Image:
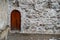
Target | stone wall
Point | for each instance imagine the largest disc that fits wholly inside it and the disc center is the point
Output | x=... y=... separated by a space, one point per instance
x=3 y=11
x=39 y=16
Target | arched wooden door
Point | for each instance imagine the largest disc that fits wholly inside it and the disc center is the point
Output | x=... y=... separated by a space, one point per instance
x=15 y=20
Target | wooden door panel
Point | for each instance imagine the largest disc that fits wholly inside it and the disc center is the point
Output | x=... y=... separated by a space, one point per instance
x=15 y=20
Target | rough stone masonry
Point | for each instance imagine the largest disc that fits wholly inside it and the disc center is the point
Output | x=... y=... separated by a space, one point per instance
x=39 y=16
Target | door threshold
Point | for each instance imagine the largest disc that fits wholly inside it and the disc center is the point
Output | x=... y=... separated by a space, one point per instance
x=14 y=31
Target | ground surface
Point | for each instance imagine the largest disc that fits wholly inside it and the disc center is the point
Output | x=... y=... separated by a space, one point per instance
x=18 y=36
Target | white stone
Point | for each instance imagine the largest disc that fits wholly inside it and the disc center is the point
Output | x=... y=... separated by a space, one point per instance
x=40 y=28
x=30 y=1
x=39 y=6
x=49 y=31
x=23 y=6
x=2 y=25
x=51 y=13
x=39 y=1
x=58 y=25
x=49 y=26
x=53 y=0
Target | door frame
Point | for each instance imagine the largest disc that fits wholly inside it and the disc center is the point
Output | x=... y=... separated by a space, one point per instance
x=11 y=18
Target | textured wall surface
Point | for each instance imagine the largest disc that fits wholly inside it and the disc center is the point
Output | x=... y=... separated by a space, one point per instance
x=3 y=12
x=38 y=16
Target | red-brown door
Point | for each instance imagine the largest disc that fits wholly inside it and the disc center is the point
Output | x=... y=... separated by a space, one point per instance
x=15 y=20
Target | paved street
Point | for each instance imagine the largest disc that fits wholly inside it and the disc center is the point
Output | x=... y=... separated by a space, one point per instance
x=18 y=36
